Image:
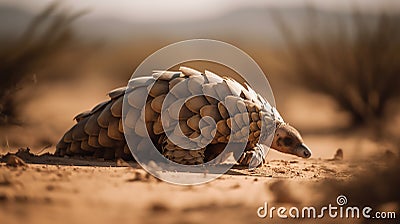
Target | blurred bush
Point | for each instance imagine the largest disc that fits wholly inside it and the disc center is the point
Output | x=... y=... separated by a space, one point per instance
x=354 y=60
x=47 y=34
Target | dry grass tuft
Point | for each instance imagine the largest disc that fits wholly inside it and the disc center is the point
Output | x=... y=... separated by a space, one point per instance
x=47 y=34
x=356 y=63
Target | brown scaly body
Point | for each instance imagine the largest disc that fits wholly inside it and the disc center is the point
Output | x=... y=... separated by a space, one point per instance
x=100 y=132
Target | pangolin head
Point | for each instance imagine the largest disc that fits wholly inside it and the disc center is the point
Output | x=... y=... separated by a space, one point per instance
x=288 y=140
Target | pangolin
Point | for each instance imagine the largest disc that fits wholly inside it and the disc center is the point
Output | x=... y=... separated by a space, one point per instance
x=238 y=112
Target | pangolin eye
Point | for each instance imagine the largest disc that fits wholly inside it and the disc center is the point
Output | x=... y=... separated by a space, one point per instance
x=287 y=141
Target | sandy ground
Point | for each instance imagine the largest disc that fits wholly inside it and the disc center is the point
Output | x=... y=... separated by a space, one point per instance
x=73 y=190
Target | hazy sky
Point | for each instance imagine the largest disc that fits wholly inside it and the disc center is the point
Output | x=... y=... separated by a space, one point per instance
x=177 y=10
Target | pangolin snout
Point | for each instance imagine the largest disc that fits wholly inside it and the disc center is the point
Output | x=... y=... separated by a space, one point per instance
x=303 y=151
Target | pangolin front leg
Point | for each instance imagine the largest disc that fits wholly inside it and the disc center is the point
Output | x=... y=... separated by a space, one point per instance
x=253 y=157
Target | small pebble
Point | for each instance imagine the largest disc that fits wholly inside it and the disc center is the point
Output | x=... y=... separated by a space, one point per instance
x=338 y=155
x=15 y=161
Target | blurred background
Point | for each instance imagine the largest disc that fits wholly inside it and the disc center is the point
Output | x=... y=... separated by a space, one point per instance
x=333 y=65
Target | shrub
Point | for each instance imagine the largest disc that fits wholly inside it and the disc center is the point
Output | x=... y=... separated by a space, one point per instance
x=355 y=62
x=47 y=34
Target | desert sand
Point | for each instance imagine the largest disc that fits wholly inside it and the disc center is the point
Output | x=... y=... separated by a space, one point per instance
x=48 y=189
